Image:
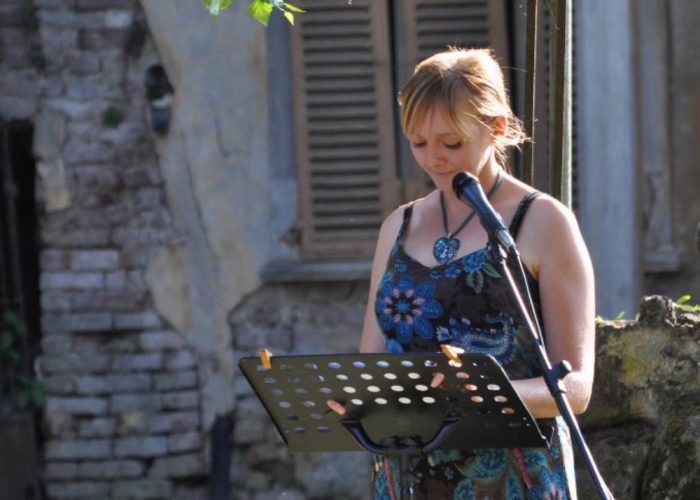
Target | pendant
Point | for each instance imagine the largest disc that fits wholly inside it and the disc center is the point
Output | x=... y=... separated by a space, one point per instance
x=445 y=249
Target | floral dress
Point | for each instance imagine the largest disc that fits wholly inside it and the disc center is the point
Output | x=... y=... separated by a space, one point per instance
x=467 y=303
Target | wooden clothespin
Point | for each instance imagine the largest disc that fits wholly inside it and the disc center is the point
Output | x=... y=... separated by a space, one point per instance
x=452 y=353
x=265 y=358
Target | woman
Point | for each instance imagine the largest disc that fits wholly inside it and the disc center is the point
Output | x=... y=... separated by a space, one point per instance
x=433 y=281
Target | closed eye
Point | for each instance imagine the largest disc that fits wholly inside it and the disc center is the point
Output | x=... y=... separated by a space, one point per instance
x=456 y=145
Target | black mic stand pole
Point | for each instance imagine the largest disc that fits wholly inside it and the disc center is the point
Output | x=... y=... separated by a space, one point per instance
x=553 y=376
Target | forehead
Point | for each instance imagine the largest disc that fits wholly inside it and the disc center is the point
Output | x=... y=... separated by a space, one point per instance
x=436 y=120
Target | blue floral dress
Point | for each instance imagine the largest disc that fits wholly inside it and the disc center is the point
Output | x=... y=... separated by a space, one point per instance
x=466 y=303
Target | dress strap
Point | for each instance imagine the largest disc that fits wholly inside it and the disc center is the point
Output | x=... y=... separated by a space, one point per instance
x=520 y=212
x=406 y=218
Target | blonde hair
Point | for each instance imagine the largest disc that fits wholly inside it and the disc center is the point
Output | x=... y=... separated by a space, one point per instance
x=469 y=82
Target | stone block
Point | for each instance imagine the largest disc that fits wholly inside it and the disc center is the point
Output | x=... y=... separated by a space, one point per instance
x=95 y=177
x=59 y=425
x=60 y=470
x=73 y=363
x=55 y=301
x=122 y=403
x=76 y=406
x=136 y=321
x=180 y=400
x=115 y=279
x=161 y=341
x=188 y=441
x=61 y=385
x=179 y=360
x=180 y=466
x=82 y=62
x=71 y=280
x=78 y=449
x=49 y=135
x=56 y=344
x=144 y=488
x=141 y=446
x=137 y=362
x=113 y=384
x=172 y=422
x=129 y=383
x=110 y=469
x=54 y=260
x=76 y=490
x=119 y=19
x=75 y=237
x=134 y=422
x=176 y=380
x=248 y=432
x=96 y=427
x=94 y=260
x=76 y=322
x=249 y=409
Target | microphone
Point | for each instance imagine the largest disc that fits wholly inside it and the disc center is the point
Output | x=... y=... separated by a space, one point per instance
x=468 y=189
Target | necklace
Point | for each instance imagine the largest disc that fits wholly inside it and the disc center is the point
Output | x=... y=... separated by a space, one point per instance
x=446 y=247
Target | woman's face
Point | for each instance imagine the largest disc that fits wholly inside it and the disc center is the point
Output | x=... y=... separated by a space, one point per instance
x=441 y=153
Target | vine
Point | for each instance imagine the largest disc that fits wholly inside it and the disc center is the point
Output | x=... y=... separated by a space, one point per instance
x=260 y=10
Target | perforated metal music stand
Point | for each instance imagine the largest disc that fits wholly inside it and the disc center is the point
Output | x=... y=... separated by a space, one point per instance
x=391 y=407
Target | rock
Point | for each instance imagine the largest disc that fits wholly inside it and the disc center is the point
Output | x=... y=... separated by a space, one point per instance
x=616 y=451
x=674 y=460
x=656 y=310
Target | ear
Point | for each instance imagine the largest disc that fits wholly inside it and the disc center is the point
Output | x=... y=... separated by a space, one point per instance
x=499 y=126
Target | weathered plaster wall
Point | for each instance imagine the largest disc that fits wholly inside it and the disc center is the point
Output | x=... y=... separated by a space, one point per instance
x=683 y=108
x=214 y=162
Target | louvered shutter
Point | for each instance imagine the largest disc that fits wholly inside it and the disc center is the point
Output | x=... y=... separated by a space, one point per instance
x=344 y=126
x=430 y=26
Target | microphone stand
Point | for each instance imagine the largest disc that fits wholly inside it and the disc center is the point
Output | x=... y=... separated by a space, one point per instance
x=553 y=375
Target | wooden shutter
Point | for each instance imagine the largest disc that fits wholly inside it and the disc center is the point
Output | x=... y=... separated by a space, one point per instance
x=430 y=26
x=344 y=126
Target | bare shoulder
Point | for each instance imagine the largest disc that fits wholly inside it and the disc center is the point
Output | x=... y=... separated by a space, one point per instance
x=550 y=233
x=549 y=215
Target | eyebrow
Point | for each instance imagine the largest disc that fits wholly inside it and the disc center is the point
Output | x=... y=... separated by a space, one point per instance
x=439 y=135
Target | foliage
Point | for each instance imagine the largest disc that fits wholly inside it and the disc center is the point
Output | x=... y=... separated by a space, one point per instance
x=260 y=10
x=30 y=391
x=683 y=305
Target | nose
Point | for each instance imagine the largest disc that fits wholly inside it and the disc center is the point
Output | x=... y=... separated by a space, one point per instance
x=433 y=157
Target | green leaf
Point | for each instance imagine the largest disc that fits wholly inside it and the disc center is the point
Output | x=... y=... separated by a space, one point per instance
x=620 y=315
x=289 y=17
x=683 y=300
x=292 y=8
x=216 y=6
x=261 y=10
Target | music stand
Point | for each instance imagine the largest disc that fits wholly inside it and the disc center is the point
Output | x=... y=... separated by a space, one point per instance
x=391 y=408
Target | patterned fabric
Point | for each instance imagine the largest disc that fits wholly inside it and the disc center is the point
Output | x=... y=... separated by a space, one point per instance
x=466 y=303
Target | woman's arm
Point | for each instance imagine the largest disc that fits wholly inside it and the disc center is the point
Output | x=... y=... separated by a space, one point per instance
x=553 y=249
x=372 y=339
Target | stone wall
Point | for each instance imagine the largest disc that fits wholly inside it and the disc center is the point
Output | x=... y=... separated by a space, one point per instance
x=293 y=319
x=123 y=407
x=642 y=424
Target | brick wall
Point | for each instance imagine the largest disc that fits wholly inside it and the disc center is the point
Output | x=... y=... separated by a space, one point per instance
x=122 y=414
